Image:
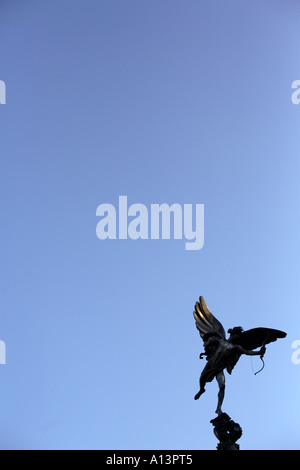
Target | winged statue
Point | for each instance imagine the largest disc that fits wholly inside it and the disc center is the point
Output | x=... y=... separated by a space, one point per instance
x=222 y=353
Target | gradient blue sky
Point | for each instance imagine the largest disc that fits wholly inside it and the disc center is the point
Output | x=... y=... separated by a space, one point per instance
x=163 y=101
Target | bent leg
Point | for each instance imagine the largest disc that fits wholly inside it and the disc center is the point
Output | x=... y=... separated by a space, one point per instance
x=221 y=382
x=202 y=390
x=206 y=376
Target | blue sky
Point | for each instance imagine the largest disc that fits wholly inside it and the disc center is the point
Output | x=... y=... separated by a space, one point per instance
x=164 y=102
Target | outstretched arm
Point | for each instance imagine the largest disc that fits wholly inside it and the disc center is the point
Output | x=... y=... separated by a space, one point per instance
x=249 y=352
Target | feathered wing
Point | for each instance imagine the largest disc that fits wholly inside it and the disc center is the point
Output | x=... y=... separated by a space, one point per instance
x=253 y=339
x=257 y=337
x=205 y=321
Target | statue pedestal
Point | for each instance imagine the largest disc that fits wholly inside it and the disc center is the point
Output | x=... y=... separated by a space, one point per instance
x=227 y=431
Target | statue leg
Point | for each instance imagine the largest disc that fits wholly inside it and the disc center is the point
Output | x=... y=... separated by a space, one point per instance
x=206 y=376
x=221 y=382
x=202 y=390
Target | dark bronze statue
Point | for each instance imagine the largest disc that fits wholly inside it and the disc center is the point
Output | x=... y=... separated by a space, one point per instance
x=227 y=431
x=222 y=353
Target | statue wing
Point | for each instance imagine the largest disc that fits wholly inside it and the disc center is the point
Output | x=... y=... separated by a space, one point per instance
x=205 y=321
x=257 y=337
x=252 y=339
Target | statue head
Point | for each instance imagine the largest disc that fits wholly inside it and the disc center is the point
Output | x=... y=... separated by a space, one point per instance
x=235 y=334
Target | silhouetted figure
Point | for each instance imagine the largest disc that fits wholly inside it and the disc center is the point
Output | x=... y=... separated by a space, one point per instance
x=222 y=353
